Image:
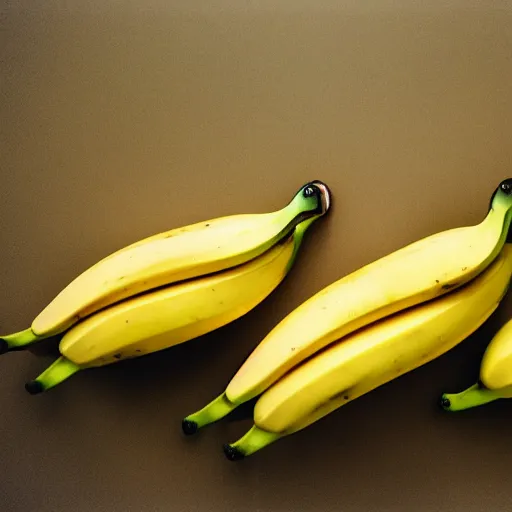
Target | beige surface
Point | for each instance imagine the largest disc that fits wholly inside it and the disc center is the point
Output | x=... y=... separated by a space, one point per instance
x=122 y=119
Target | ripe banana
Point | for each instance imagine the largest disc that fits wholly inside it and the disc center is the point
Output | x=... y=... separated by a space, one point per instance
x=177 y=255
x=373 y=356
x=495 y=375
x=419 y=272
x=170 y=315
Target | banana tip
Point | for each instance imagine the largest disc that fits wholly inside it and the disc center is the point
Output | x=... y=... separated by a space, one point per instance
x=4 y=347
x=34 y=387
x=233 y=454
x=189 y=427
x=444 y=402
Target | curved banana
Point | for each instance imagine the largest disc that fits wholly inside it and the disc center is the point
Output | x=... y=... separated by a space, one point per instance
x=372 y=357
x=170 y=257
x=496 y=367
x=174 y=314
x=417 y=273
x=495 y=375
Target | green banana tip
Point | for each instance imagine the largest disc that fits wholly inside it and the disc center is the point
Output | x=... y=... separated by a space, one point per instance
x=189 y=427
x=444 y=402
x=18 y=340
x=232 y=453
x=34 y=387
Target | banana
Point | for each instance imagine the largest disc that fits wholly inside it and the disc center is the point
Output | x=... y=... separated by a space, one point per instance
x=495 y=375
x=420 y=272
x=171 y=315
x=373 y=356
x=496 y=367
x=173 y=256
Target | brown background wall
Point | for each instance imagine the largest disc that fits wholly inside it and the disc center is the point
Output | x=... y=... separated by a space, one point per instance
x=123 y=119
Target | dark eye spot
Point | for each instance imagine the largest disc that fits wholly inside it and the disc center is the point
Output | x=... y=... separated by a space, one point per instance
x=309 y=191
x=444 y=403
x=506 y=187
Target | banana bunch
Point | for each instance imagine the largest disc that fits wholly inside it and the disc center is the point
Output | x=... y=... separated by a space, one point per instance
x=495 y=380
x=369 y=327
x=171 y=287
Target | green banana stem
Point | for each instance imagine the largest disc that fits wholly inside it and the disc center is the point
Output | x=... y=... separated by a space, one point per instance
x=214 y=411
x=298 y=236
x=313 y=200
x=501 y=204
x=58 y=372
x=18 y=340
x=474 y=396
x=254 y=440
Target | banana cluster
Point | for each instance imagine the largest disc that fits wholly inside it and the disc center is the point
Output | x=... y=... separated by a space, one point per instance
x=372 y=326
x=171 y=287
x=367 y=328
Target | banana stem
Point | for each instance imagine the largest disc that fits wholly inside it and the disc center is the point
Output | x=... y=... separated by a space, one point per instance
x=214 y=411
x=474 y=396
x=501 y=212
x=18 y=340
x=298 y=236
x=58 y=372
x=254 y=440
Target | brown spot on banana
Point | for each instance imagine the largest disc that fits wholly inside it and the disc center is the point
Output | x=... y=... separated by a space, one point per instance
x=345 y=394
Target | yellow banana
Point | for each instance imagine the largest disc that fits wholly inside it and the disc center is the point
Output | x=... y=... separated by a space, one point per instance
x=166 y=258
x=174 y=314
x=373 y=356
x=495 y=375
x=417 y=273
